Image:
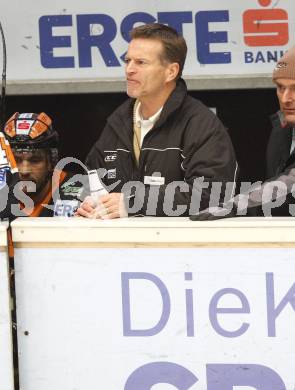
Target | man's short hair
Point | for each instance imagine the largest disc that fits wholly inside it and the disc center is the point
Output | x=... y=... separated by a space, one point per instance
x=174 y=45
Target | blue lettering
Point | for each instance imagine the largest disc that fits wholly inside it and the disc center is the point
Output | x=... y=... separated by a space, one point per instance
x=175 y=19
x=68 y=210
x=127 y=330
x=204 y=37
x=272 y=57
x=228 y=376
x=259 y=57
x=219 y=376
x=58 y=209
x=99 y=30
x=87 y=40
x=272 y=311
x=214 y=310
x=189 y=301
x=248 y=57
x=48 y=42
x=149 y=375
x=130 y=20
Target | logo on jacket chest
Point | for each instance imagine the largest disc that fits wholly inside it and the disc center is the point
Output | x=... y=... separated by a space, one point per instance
x=110 y=157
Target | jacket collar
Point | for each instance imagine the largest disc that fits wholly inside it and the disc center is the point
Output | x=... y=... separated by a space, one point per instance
x=173 y=102
x=121 y=120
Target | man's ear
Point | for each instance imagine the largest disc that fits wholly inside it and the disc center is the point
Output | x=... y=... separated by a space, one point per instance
x=172 y=71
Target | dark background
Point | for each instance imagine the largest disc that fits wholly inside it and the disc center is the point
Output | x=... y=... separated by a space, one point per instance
x=80 y=119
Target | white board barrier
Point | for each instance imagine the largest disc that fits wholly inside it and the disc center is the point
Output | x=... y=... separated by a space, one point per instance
x=155 y=303
x=6 y=365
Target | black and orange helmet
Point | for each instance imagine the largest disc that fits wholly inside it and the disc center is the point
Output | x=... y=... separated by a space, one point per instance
x=31 y=131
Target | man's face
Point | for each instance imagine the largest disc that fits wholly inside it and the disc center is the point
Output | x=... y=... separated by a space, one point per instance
x=33 y=165
x=146 y=73
x=286 y=96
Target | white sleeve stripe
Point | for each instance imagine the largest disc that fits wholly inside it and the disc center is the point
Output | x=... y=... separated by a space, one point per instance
x=235 y=181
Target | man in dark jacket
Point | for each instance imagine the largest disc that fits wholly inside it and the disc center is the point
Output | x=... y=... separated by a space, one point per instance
x=275 y=197
x=279 y=155
x=280 y=145
x=161 y=150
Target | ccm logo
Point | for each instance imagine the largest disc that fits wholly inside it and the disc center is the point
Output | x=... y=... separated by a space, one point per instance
x=110 y=157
